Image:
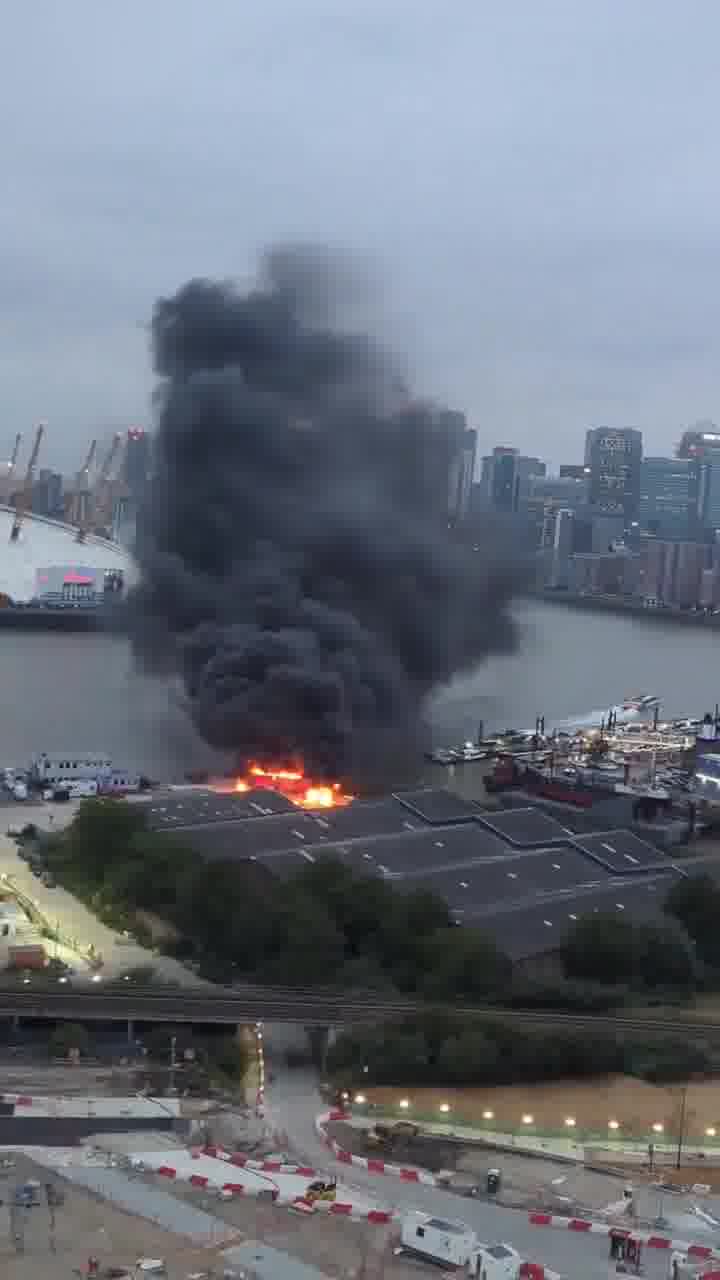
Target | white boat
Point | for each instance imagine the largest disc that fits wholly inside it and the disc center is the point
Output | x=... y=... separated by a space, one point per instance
x=625 y=712
x=468 y=753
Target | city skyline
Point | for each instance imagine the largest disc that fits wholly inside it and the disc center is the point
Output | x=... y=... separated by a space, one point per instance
x=536 y=199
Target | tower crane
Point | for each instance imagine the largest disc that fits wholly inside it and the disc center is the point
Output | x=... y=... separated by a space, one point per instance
x=83 y=494
x=103 y=488
x=24 y=497
x=13 y=459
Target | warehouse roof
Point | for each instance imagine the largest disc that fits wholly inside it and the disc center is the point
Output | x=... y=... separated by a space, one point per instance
x=518 y=874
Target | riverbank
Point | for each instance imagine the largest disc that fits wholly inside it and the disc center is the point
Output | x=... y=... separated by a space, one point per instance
x=627 y=607
x=99 y=618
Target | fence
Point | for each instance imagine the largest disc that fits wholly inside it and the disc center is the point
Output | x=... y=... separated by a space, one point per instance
x=616 y=1135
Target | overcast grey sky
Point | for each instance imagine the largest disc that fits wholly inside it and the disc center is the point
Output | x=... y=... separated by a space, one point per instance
x=536 y=180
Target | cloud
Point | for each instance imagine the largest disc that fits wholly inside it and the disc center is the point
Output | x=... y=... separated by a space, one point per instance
x=537 y=185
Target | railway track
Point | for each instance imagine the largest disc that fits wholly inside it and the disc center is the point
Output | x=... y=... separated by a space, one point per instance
x=310 y=1007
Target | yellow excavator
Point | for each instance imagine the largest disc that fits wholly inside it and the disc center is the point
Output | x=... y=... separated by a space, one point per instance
x=384 y=1137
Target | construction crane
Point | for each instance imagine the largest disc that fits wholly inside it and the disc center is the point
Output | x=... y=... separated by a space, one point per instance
x=103 y=488
x=12 y=463
x=24 y=497
x=83 y=495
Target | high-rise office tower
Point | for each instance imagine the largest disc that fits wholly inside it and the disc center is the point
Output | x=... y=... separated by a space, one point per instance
x=136 y=465
x=462 y=472
x=505 y=478
x=614 y=456
x=669 y=496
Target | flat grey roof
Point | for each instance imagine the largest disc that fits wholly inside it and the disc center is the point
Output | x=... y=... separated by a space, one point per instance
x=194 y=807
x=533 y=929
x=438 y=804
x=621 y=851
x=525 y=826
x=521 y=878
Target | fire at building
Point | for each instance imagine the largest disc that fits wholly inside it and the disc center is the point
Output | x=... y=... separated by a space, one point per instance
x=305 y=792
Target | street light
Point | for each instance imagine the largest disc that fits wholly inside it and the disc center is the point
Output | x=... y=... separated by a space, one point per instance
x=681 y=1134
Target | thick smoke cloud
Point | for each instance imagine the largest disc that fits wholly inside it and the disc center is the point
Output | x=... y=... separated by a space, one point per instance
x=297 y=569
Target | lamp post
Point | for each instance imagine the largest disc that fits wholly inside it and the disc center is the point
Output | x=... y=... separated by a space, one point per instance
x=173 y=1063
x=681 y=1127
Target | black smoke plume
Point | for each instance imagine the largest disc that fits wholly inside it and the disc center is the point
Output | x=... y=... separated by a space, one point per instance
x=297 y=570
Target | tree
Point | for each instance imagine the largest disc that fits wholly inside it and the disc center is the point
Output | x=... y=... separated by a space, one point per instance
x=101 y=833
x=463 y=963
x=68 y=1038
x=469 y=1058
x=307 y=947
x=695 y=902
x=231 y=1057
x=605 y=948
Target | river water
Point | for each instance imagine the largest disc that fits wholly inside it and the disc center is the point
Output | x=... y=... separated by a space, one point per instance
x=81 y=692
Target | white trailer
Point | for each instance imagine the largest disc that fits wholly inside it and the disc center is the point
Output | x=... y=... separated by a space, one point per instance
x=453 y=1244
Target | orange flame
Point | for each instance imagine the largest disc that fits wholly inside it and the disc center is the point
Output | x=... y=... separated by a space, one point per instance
x=306 y=793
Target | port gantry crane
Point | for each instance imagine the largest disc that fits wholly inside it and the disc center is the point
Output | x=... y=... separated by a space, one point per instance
x=104 y=487
x=24 y=497
x=82 y=501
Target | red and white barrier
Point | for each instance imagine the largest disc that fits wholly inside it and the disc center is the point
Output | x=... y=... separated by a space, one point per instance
x=291 y=1181
x=650 y=1240
x=344 y=1209
x=259 y=1166
x=366 y=1162
x=202 y=1172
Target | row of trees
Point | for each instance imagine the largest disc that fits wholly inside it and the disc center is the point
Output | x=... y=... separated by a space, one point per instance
x=441 y=1049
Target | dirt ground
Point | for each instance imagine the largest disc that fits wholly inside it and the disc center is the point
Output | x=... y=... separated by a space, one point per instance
x=85 y=1227
x=429 y=1152
x=335 y=1246
x=635 y=1105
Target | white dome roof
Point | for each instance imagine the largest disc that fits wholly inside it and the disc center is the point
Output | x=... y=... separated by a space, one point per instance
x=46 y=543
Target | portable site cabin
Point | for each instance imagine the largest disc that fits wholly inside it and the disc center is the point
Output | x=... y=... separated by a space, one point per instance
x=454 y=1244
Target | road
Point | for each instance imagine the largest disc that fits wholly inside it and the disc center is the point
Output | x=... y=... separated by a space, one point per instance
x=292 y=1104
x=62 y=911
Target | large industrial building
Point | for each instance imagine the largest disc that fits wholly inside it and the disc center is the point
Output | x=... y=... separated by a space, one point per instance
x=518 y=874
x=50 y=548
